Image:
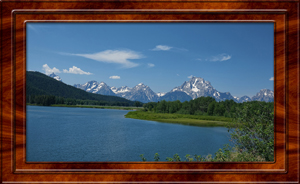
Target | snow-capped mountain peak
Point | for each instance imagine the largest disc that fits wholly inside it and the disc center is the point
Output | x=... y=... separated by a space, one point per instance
x=236 y=98
x=53 y=75
x=264 y=95
x=140 y=92
x=95 y=87
x=194 y=88
x=244 y=99
x=197 y=87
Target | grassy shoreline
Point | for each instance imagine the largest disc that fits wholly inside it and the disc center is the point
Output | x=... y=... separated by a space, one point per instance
x=92 y=106
x=184 y=119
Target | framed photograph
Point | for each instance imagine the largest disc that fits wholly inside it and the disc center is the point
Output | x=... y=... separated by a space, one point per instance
x=160 y=59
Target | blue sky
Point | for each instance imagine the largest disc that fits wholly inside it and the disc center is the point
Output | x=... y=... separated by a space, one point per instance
x=235 y=57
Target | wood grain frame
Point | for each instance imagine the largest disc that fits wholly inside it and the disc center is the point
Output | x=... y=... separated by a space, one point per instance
x=15 y=15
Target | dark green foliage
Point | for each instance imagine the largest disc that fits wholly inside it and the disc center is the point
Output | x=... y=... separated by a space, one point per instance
x=198 y=106
x=211 y=108
x=227 y=154
x=41 y=89
x=150 y=106
x=156 y=157
x=199 y=158
x=255 y=132
x=138 y=104
x=219 y=109
x=143 y=158
x=45 y=100
x=176 y=158
x=201 y=104
x=169 y=159
x=189 y=158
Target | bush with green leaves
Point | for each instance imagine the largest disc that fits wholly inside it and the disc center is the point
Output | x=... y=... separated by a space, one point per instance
x=156 y=157
x=143 y=158
x=252 y=130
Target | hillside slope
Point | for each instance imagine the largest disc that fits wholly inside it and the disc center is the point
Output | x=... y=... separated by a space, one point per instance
x=41 y=84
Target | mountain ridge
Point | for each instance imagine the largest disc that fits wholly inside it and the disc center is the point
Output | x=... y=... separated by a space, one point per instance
x=194 y=88
x=40 y=84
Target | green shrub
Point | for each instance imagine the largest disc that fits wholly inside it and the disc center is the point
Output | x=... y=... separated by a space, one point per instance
x=255 y=132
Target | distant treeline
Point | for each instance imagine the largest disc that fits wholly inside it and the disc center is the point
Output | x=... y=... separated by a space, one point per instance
x=203 y=106
x=47 y=100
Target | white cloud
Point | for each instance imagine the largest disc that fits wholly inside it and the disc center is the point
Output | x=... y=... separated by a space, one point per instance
x=191 y=76
x=271 y=79
x=76 y=70
x=162 y=47
x=115 y=56
x=177 y=74
x=115 y=77
x=48 y=70
x=150 y=65
x=220 y=57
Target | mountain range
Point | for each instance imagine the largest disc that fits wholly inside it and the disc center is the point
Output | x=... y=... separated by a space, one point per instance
x=194 y=88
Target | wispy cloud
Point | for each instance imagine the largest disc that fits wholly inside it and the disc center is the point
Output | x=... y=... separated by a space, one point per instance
x=162 y=47
x=115 y=77
x=191 y=76
x=49 y=70
x=271 y=79
x=120 y=57
x=167 y=48
x=76 y=70
x=150 y=65
x=177 y=74
x=220 y=57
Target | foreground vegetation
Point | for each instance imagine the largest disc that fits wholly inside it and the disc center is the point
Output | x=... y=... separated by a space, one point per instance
x=227 y=154
x=251 y=126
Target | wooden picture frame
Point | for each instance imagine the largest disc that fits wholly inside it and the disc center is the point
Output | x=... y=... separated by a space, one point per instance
x=15 y=15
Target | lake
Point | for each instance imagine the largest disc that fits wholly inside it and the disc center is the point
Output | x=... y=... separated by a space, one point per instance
x=86 y=134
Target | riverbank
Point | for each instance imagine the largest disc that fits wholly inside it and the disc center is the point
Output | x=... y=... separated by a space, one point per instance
x=185 y=119
x=93 y=106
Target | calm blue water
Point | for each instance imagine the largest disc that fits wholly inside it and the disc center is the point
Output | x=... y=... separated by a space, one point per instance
x=83 y=134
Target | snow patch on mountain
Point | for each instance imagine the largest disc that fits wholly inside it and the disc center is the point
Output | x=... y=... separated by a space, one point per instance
x=122 y=89
x=264 y=95
x=56 y=77
x=197 y=87
x=96 y=87
x=159 y=94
